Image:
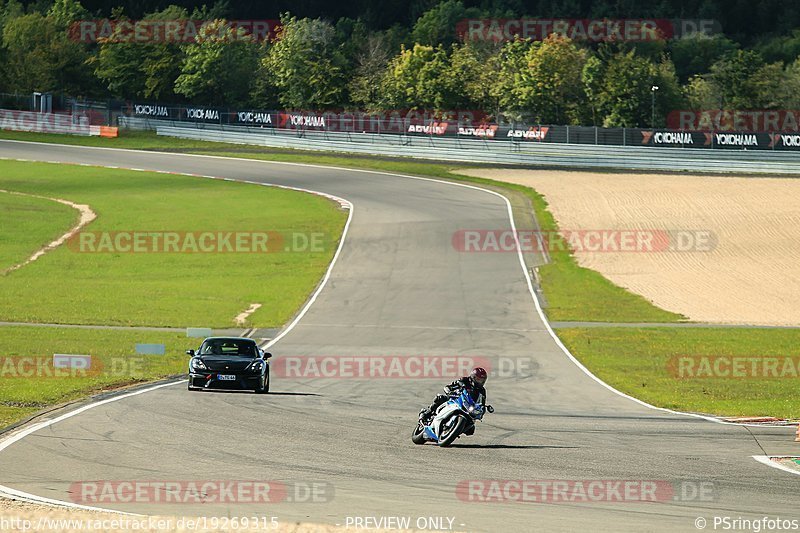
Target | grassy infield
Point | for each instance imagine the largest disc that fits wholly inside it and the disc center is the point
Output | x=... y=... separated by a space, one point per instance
x=64 y=287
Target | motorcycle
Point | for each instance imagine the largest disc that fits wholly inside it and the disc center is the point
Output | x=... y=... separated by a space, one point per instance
x=453 y=418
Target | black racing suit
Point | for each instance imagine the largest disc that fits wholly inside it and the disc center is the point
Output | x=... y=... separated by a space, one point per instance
x=476 y=390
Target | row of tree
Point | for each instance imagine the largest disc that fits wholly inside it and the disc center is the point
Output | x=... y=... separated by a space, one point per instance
x=315 y=64
x=747 y=21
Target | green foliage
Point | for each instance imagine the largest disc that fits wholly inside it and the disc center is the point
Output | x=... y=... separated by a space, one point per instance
x=784 y=48
x=371 y=62
x=508 y=88
x=700 y=93
x=695 y=55
x=218 y=67
x=551 y=83
x=591 y=82
x=415 y=62
x=65 y=12
x=474 y=70
x=416 y=79
x=626 y=95
x=136 y=69
x=438 y=25
x=733 y=77
x=38 y=56
x=305 y=65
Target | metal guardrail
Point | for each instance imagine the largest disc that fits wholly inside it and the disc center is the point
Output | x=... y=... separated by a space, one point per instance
x=524 y=153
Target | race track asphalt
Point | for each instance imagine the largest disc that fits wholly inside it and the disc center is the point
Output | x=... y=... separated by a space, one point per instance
x=399 y=288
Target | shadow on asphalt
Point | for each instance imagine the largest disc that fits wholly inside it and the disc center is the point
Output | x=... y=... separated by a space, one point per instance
x=293 y=394
x=507 y=446
x=234 y=391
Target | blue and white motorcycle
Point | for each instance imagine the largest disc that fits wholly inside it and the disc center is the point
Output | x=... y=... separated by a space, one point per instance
x=455 y=417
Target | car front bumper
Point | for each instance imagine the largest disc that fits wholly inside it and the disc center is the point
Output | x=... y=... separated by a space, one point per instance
x=210 y=380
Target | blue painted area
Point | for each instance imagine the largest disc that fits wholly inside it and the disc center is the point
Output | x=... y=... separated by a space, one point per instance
x=151 y=349
x=198 y=332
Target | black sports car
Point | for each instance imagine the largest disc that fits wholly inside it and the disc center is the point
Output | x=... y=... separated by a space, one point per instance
x=229 y=363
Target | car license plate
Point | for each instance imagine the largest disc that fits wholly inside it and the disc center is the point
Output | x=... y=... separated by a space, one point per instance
x=226 y=377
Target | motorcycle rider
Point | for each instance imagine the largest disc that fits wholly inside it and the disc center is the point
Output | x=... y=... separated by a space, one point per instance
x=474 y=383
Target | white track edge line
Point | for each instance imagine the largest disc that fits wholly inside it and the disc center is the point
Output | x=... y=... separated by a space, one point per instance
x=453 y=183
x=5 y=443
x=341 y=243
x=767 y=460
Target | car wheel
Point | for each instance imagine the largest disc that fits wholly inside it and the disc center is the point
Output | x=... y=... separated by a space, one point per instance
x=264 y=387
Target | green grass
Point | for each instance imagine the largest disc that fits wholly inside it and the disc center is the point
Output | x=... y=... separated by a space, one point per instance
x=636 y=361
x=573 y=293
x=632 y=360
x=114 y=362
x=27 y=224
x=164 y=289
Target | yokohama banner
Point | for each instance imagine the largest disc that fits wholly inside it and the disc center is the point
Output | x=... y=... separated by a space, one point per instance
x=457 y=124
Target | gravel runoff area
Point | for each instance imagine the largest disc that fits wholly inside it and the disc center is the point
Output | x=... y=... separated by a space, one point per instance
x=744 y=266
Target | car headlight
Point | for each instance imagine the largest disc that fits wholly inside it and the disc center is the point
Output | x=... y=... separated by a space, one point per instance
x=258 y=366
x=198 y=364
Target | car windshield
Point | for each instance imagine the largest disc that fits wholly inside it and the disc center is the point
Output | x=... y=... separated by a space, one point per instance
x=229 y=347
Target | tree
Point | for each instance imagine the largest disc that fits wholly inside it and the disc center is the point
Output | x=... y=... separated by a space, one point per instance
x=161 y=61
x=733 y=77
x=65 y=12
x=792 y=85
x=771 y=87
x=625 y=99
x=701 y=94
x=508 y=87
x=305 y=66
x=119 y=64
x=140 y=69
x=474 y=69
x=371 y=62
x=591 y=82
x=438 y=25
x=785 y=48
x=40 y=57
x=695 y=55
x=551 y=83
x=218 y=66
x=415 y=79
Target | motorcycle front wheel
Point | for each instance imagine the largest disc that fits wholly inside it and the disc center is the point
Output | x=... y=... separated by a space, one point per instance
x=451 y=434
x=418 y=437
